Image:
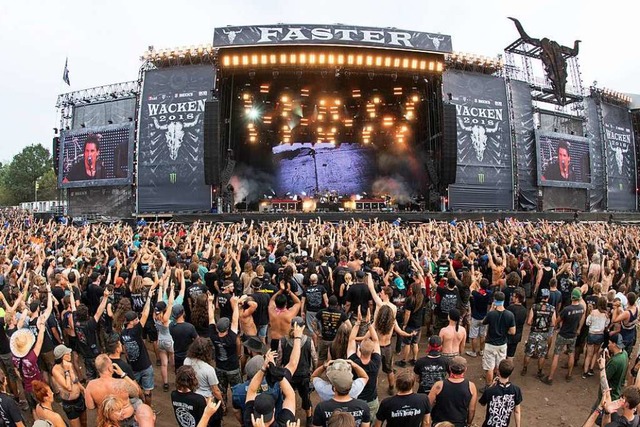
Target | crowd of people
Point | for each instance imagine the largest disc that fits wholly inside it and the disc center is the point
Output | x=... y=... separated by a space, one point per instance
x=247 y=322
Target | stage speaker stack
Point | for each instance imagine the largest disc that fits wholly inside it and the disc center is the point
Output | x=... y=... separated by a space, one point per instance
x=211 y=143
x=449 y=159
x=55 y=151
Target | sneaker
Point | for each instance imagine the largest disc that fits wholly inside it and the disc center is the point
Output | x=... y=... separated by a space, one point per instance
x=524 y=371
x=412 y=362
x=584 y=376
x=590 y=373
x=540 y=375
x=309 y=421
x=547 y=380
x=401 y=363
x=165 y=387
x=568 y=378
x=471 y=353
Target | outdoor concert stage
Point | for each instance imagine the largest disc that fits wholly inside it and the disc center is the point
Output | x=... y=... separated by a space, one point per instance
x=359 y=119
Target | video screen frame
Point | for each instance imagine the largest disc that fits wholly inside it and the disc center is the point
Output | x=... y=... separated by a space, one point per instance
x=67 y=144
x=581 y=167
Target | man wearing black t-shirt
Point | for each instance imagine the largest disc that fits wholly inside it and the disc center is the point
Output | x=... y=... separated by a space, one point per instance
x=183 y=334
x=570 y=320
x=328 y=320
x=501 y=323
x=502 y=399
x=261 y=314
x=406 y=408
x=314 y=299
x=114 y=350
x=369 y=358
x=86 y=329
x=432 y=367
x=358 y=296
x=137 y=353
x=223 y=335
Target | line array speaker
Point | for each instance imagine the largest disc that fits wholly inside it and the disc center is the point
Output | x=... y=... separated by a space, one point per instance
x=211 y=143
x=449 y=159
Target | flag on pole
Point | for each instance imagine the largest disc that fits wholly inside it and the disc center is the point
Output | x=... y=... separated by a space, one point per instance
x=65 y=73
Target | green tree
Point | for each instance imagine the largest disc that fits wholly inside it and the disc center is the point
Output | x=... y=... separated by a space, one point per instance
x=48 y=186
x=20 y=175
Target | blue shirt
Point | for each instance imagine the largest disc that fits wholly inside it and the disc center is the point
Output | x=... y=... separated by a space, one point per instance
x=239 y=394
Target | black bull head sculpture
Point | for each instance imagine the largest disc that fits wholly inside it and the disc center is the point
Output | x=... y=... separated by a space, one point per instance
x=553 y=58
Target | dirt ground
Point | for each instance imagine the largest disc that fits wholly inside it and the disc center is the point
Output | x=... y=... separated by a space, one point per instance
x=562 y=404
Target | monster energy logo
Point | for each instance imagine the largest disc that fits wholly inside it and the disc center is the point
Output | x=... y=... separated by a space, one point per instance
x=173 y=177
x=481 y=178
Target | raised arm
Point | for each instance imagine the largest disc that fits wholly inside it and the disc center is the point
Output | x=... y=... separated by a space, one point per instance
x=351 y=346
x=147 y=308
x=102 y=306
x=236 y=314
x=297 y=347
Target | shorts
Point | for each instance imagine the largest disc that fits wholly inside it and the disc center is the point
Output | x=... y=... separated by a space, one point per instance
x=595 y=339
x=145 y=378
x=414 y=339
x=46 y=361
x=493 y=355
x=477 y=329
x=7 y=366
x=74 y=408
x=262 y=330
x=310 y=317
x=537 y=345
x=304 y=390
x=150 y=332
x=374 y=405
x=323 y=351
x=562 y=342
x=386 y=354
x=165 y=345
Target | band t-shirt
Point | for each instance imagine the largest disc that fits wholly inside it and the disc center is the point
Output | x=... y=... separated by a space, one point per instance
x=330 y=320
x=571 y=316
x=86 y=334
x=314 y=297
x=430 y=370
x=404 y=411
x=9 y=411
x=356 y=407
x=225 y=349
x=188 y=408
x=501 y=400
x=134 y=345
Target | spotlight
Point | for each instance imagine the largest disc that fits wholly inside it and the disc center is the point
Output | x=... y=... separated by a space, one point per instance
x=253 y=114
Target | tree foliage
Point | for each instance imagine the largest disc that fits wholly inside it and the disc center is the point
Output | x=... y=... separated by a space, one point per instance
x=18 y=178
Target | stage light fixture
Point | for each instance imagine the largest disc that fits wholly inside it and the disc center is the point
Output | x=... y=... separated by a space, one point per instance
x=254 y=114
x=321 y=58
x=293 y=58
x=376 y=100
x=273 y=59
x=252 y=139
x=312 y=58
x=415 y=98
x=320 y=117
x=245 y=59
x=264 y=59
x=245 y=96
x=284 y=98
x=236 y=60
x=331 y=59
x=340 y=59
x=350 y=59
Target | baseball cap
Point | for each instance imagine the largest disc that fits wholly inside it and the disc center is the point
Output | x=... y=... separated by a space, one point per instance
x=360 y=274
x=160 y=307
x=264 y=406
x=617 y=340
x=60 y=351
x=272 y=258
x=130 y=316
x=177 y=310
x=253 y=366
x=544 y=293
x=576 y=294
x=399 y=283
x=340 y=376
x=223 y=324
x=297 y=320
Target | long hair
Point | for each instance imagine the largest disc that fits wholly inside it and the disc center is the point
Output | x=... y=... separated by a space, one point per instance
x=340 y=343
x=136 y=285
x=200 y=312
x=108 y=412
x=124 y=305
x=201 y=349
x=416 y=294
x=385 y=320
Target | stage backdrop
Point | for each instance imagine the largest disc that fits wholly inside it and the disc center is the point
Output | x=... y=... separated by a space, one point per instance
x=484 y=171
x=170 y=149
x=100 y=113
x=525 y=145
x=594 y=134
x=621 y=160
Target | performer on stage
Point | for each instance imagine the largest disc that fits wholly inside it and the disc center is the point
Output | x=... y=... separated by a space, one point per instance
x=90 y=167
x=560 y=170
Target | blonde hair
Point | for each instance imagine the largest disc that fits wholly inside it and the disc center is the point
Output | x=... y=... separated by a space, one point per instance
x=108 y=411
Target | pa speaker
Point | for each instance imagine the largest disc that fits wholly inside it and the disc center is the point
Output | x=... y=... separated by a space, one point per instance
x=55 y=151
x=211 y=143
x=449 y=159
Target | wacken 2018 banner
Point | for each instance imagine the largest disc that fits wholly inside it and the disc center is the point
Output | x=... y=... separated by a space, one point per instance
x=170 y=153
x=484 y=143
x=621 y=161
x=330 y=34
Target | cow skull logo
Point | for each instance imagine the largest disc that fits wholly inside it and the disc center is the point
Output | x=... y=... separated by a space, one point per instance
x=436 y=41
x=174 y=134
x=479 y=135
x=619 y=156
x=231 y=34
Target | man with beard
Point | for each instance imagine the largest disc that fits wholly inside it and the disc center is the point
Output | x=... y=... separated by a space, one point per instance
x=561 y=169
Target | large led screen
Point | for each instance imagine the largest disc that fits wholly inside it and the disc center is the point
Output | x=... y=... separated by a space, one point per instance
x=563 y=160
x=98 y=156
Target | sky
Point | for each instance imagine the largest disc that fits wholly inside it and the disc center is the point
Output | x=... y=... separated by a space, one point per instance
x=105 y=39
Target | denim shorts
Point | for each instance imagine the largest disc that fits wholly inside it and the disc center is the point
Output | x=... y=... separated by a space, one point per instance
x=595 y=339
x=262 y=330
x=145 y=378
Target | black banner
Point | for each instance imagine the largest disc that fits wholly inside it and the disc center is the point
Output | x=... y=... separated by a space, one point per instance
x=114 y=202
x=484 y=169
x=597 y=192
x=101 y=113
x=525 y=145
x=331 y=34
x=621 y=160
x=96 y=156
x=170 y=153
x=563 y=160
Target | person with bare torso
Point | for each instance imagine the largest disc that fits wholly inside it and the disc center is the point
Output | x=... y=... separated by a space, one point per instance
x=385 y=324
x=280 y=316
x=453 y=336
x=247 y=307
x=125 y=389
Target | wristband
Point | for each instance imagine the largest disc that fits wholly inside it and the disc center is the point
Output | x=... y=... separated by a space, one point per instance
x=297 y=338
x=124 y=375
